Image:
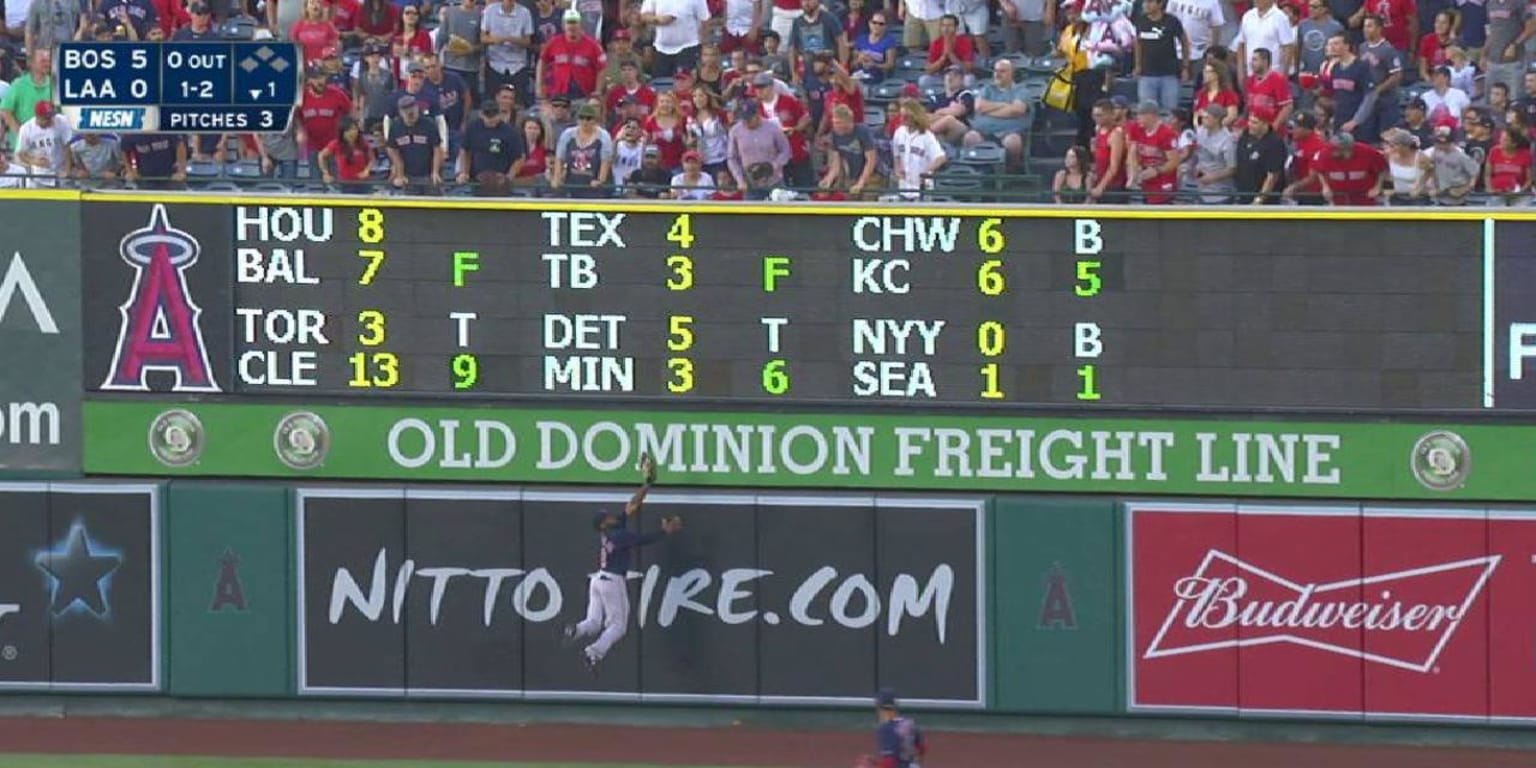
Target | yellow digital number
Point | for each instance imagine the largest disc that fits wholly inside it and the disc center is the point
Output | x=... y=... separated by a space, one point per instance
x=377 y=369
x=989 y=388
x=1089 y=375
x=1088 y=280
x=991 y=338
x=372 y=321
x=681 y=231
x=679 y=335
x=989 y=278
x=375 y=260
x=775 y=377
x=466 y=371
x=682 y=273
x=990 y=236
x=370 y=225
x=682 y=375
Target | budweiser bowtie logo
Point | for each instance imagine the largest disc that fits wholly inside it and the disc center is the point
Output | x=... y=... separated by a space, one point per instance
x=1402 y=619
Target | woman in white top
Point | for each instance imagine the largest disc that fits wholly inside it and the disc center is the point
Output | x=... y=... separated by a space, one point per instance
x=915 y=152
x=707 y=132
x=1412 y=171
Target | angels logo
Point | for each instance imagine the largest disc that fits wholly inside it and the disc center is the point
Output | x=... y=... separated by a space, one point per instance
x=160 y=330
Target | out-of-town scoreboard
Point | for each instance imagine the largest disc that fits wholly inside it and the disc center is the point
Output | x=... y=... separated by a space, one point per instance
x=779 y=305
x=181 y=87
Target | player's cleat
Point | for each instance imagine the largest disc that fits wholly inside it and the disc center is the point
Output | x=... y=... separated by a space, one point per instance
x=589 y=662
x=569 y=634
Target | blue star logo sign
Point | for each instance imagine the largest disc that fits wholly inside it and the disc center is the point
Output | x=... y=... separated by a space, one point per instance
x=80 y=573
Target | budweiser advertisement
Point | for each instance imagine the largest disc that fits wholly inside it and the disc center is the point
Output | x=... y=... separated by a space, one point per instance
x=1342 y=611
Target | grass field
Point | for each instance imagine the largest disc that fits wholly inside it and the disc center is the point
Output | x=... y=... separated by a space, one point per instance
x=114 y=761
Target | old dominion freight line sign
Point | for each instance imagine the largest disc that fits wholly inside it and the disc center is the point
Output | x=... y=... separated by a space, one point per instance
x=805 y=450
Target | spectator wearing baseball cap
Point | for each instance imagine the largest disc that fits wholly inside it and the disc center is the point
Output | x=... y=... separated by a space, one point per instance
x=491 y=152
x=692 y=182
x=1415 y=122
x=1443 y=100
x=415 y=148
x=621 y=50
x=199 y=25
x=790 y=116
x=569 y=64
x=1351 y=172
x=376 y=86
x=41 y=144
x=631 y=86
x=1261 y=156
x=954 y=108
x=583 y=164
x=1153 y=157
x=756 y=151
x=1307 y=142
x=653 y=180
x=1215 y=156
x=1455 y=172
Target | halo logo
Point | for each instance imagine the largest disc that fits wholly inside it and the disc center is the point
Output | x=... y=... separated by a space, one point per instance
x=160 y=330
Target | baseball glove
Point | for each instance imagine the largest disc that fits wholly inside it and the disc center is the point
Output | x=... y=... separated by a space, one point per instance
x=647 y=469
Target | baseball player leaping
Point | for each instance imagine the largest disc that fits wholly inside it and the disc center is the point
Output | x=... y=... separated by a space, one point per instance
x=607 y=590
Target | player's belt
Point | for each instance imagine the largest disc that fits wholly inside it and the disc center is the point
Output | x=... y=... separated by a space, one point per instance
x=606 y=576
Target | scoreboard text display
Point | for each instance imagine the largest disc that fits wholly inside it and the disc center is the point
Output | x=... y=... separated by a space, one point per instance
x=789 y=305
x=186 y=87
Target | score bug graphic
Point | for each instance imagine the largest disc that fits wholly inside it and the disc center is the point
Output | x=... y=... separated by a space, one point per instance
x=203 y=87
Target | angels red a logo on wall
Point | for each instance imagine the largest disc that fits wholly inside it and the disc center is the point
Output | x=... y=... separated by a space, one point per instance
x=1407 y=613
x=160 y=330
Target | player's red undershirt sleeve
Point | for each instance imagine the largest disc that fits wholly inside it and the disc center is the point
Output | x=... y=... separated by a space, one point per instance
x=888 y=761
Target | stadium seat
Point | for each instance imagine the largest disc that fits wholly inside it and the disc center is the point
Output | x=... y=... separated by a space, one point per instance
x=1046 y=64
x=659 y=84
x=911 y=67
x=957 y=178
x=221 y=186
x=887 y=91
x=271 y=187
x=243 y=169
x=874 y=117
x=987 y=156
x=203 y=170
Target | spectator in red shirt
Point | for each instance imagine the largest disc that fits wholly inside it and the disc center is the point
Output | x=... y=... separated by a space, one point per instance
x=1306 y=145
x=378 y=21
x=314 y=33
x=629 y=85
x=1507 y=172
x=418 y=41
x=1109 y=148
x=1351 y=173
x=845 y=92
x=1267 y=91
x=1399 y=23
x=1433 y=46
x=667 y=130
x=1216 y=88
x=171 y=15
x=570 y=64
x=1154 y=156
x=321 y=110
x=344 y=15
x=351 y=156
x=794 y=120
x=952 y=49
x=535 y=167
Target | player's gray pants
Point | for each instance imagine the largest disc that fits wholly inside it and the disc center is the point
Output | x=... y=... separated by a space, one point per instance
x=607 y=611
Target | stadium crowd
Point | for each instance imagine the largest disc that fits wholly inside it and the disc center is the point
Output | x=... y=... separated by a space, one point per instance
x=1350 y=102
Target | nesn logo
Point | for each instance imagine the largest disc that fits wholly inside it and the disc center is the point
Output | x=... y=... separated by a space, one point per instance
x=111 y=118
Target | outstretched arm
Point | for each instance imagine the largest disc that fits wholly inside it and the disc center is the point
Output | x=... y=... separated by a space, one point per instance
x=647 y=476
